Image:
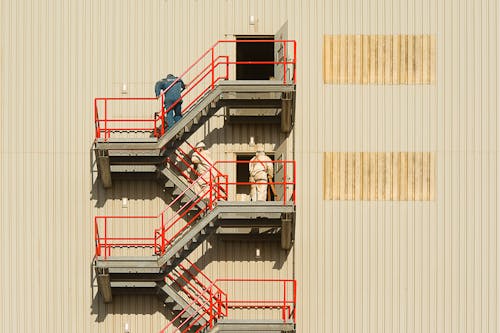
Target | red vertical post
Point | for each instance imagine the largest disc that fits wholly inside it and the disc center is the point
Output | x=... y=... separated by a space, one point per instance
x=96 y=120
x=283 y=313
x=294 y=60
x=284 y=182
x=105 y=238
x=294 y=180
x=213 y=68
x=162 y=130
x=106 y=134
x=219 y=304
x=284 y=62
x=218 y=188
x=162 y=251
x=210 y=189
x=227 y=306
x=227 y=67
x=96 y=237
x=294 y=301
x=211 y=308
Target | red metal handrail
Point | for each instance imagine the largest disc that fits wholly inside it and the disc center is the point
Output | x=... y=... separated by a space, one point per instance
x=104 y=126
x=217 y=190
x=287 y=303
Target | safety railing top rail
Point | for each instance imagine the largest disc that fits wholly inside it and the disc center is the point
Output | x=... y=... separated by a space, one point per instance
x=286 y=302
x=168 y=228
x=214 y=67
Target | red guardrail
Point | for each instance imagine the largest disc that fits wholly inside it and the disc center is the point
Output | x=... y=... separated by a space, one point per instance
x=210 y=300
x=215 y=67
x=218 y=306
x=286 y=303
x=166 y=230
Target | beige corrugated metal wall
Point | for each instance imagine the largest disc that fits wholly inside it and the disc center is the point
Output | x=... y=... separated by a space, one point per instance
x=402 y=266
x=361 y=266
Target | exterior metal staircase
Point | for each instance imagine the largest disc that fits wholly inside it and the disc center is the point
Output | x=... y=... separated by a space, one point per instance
x=197 y=219
x=125 y=155
x=196 y=302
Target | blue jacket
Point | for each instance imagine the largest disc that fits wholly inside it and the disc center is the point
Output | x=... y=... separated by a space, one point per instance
x=174 y=93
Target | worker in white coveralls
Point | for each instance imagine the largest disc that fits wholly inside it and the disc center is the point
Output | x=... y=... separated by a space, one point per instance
x=261 y=171
x=203 y=162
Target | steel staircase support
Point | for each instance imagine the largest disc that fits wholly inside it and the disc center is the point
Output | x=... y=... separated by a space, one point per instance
x=177 y=303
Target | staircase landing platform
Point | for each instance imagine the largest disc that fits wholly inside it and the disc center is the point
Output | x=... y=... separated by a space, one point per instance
x=229 y=211
x=263 y=325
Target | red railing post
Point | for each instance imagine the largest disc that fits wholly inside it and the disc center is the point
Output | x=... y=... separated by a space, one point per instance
x=105 y=118
x=227 y=305
x=210 y=189
x=211 y=308
x=96 y=237
x=162 y=130
x=227 y=67
x=294 y=61
x=96 y=120
x=106 y=238
x=284 y=62
x=294 y=180
x=162 y=249
x=283 y=311
x=219 y=304
x=284 y=182
x=213 y=67
x=294 y=301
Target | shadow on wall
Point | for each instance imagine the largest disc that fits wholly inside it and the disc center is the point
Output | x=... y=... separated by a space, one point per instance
x=133 y=305
x=130 y=189
x=127 y=305
x=243 y=249
x=240 y=134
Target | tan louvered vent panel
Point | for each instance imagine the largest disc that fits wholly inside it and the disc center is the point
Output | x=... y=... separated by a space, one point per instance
x=403 y=176
x=379 y=59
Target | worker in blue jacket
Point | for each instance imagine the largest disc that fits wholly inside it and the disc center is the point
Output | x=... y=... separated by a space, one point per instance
x=172 y=95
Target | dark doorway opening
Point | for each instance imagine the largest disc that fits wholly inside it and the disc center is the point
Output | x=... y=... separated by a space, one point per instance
x=257 y=51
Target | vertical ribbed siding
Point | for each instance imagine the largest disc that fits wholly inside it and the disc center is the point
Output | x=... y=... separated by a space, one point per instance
x=401 y=267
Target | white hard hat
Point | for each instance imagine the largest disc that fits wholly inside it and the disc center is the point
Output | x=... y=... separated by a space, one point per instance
x=259 y=148
x=200 y=144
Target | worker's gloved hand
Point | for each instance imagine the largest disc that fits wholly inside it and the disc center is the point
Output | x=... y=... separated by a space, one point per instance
x=251 y=180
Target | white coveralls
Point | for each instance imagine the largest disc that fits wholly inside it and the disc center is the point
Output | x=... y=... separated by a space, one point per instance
x=261 y=169
x=203 y=163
